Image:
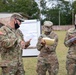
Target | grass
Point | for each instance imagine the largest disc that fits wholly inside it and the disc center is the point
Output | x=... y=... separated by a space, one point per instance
x=31 y=62
x=61 y=53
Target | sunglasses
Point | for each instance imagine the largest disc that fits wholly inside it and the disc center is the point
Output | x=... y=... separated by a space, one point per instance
x=19 y=20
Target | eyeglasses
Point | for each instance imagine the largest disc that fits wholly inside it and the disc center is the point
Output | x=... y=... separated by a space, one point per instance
x=18 y=19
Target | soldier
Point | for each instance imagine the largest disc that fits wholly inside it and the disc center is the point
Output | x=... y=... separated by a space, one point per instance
x=47 y=59
x=12 y=43
x=70 y=41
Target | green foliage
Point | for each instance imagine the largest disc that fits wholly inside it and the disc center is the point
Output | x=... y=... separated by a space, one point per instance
x=52 y=13
x=28 y=7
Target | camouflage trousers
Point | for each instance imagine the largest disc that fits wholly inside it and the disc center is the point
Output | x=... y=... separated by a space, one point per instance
x=13 y=70
x=71 y=66
x=42 y=67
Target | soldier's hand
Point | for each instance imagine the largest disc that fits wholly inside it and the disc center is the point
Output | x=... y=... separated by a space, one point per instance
x=43 y=42
x=23 y=44
x=27 y=43
x=47 y=47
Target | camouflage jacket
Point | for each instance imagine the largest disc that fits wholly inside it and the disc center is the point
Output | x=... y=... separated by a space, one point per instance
x=11 y=51
x=47 y=51
x=72 y=46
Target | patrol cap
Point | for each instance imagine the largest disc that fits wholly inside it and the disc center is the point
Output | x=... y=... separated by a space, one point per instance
x=18 y=17
x=48 y=23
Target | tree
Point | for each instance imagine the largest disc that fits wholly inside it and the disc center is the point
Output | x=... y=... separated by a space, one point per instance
x=74 y=7
x=28 y=7
x=52 y=13
x=65 y=12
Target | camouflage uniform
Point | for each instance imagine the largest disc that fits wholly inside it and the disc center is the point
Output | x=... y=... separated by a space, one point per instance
x=71 y=55
x=11 y=51
x=47 y=59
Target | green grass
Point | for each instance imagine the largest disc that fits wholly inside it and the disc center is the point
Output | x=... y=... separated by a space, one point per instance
x=31 y=62
x=61 y=53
